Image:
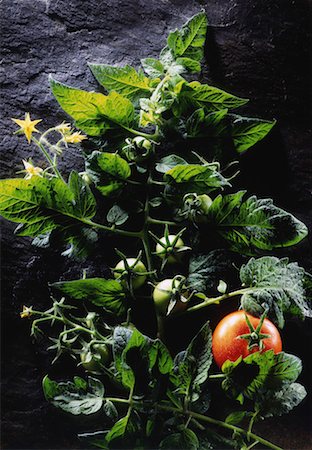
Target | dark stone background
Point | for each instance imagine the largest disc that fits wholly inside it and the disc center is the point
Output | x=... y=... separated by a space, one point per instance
x=258 y=49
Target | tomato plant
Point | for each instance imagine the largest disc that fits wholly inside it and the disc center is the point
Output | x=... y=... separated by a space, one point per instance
x=240 y=334
x=149 y=190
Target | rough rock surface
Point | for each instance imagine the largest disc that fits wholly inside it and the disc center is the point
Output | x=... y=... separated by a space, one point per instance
x=257 y=49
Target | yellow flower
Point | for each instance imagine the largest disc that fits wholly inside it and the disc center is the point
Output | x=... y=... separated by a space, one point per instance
x=75 y=138
x=31 y=170
x=27 y=312
x=63 y=128
x=27 y=126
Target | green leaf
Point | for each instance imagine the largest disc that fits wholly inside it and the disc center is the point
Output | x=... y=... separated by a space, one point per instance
x=123 y=428
x=153 y=67
x=191 y=366
x=191 y=65
x=110 y=410
x=184 y=440
x=236 y=417
x=196 y=178
x=246 y=131
x=200 y=124
x=206 y=270
x=80 y=241
x=275 y=284
x=212 y=98
x=117 y=216
x=285 y=369
x=189 y=41
x=202 y=404
x=42 y=205
x=200 y=349
x=84 y=200
x=109 y=170
x=137 y=356
x=160 y=357
x=77 y=397
x=258 y=373
x=281 y=402
x=254 y=223
x=168 y=162
x=167 y=60
x=121 y=338
x=132 y=357
x=108 y=294
x=150 y=425
x=124 y=80
x=94 y=113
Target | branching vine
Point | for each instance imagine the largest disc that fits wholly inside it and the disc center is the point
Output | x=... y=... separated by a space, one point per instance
x=154 y=148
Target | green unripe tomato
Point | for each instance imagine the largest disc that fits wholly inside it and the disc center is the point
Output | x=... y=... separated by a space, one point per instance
x=163 y=293
x=196 y=207
x=136 y=268
x=141 y=142
x=92 y=361
x=205 y=203
x=169 y=249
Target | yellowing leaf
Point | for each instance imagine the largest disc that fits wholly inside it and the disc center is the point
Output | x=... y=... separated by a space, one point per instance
x=124 y=80
x=93 y=112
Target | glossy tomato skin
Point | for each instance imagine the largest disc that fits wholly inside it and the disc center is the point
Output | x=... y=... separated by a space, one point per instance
x=227 y=345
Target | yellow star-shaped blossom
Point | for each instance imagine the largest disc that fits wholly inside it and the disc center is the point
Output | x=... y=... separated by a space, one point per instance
x=27 y=126
x=27 y=312
x=31 y=170
x=75 y=138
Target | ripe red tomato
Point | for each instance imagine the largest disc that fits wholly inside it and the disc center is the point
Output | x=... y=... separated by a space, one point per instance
x=226 y=343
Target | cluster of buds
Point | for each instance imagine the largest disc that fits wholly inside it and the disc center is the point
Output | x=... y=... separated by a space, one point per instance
x=67 y=136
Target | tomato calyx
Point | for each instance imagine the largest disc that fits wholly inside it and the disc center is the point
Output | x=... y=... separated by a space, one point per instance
x=170 y=247
x=131 y=272
x=255 y=337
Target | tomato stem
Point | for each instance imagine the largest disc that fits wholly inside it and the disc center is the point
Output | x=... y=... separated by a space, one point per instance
x=215 y=300
x=49 y=159
x=222 y=424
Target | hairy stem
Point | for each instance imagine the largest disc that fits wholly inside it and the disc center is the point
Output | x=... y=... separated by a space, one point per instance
x=202 y=418
x=46 y=316
x=152 y=137
x=222 y=424
x=252 y=421
x=134 y=234
x=162 y=222
x=145 y=235
x=49 y=159
x=215 y=300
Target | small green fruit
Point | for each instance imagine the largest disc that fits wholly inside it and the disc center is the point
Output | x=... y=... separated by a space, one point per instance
x=136 y=272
